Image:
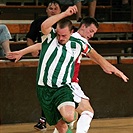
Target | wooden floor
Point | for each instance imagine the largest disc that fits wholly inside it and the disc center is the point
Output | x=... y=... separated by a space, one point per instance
x=120 y=125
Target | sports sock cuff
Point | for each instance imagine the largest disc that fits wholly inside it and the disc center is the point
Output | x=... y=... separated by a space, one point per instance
x=75 y=116
x=88 y=113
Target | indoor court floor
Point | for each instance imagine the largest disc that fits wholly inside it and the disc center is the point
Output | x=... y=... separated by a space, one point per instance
x=113 y=125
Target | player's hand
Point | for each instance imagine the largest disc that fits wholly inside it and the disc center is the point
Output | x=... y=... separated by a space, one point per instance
x=14 y=55
x=71 y=10
x=122 y=75
x=114 y=70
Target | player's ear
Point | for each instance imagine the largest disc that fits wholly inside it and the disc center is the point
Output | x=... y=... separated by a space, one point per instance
x=72 y=31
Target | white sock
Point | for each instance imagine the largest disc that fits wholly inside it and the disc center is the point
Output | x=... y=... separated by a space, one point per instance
x=84 y=121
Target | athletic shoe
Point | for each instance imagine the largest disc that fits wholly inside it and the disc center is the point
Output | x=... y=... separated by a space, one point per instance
x=41 y=125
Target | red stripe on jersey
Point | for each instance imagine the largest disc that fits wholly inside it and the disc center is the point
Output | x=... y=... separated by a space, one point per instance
x=76 y=71
x=86 y=49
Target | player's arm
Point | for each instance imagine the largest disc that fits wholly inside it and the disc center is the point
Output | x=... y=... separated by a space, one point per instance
x=30 y=43
x=105 y=65
x=48 y=23
x=18 y=54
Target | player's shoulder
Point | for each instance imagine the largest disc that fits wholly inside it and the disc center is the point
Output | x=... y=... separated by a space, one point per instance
x=77 y=37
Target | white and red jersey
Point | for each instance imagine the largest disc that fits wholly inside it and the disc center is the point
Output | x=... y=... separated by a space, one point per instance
x=76 y=69
x=78 y=60
x=77 y=91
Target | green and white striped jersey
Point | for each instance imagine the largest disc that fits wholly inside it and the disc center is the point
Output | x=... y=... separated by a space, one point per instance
x=56 y=63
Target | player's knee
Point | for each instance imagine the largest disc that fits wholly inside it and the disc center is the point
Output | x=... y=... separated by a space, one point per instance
x=68 y=113
x=69 y=117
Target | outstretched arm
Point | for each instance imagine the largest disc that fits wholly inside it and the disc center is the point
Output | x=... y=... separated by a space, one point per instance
x=105 y=65
x=18 y=54
x=30 y=43
x=48 y=23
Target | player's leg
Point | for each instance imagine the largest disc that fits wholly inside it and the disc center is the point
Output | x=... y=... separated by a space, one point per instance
x=67 y=111
x=70 y=125
x=86 y=114
x=62 y=127
x=66 y=107
x=84 y=109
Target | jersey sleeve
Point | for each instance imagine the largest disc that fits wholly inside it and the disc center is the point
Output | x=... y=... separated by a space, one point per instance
x=86 y=47
x=49 y=37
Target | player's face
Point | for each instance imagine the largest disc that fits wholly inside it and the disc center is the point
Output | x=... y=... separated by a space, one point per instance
x=88 y=32
x=63 y=35
x=53 y=9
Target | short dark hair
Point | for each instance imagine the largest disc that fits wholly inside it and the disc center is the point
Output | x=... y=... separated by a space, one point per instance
x=52 y=2
x=65 y=22
x=88 y=21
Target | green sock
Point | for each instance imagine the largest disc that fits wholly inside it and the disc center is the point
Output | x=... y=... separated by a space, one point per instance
x=69 y=130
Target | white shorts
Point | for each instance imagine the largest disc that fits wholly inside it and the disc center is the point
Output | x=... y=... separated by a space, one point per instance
x=78 y=93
